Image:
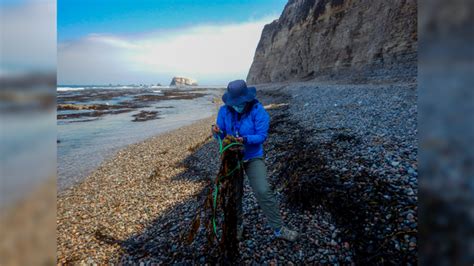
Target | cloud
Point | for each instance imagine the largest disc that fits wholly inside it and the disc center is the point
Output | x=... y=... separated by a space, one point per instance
x=210 y=53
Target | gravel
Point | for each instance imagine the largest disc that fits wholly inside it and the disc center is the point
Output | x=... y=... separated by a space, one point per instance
x=353 y=151
x=128 y=193
x=341 y=160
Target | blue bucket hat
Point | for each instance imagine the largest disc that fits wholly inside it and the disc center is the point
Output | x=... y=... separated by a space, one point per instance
x=238 y=93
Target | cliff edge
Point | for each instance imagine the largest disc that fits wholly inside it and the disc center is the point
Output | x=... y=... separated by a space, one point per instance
x=338 y=39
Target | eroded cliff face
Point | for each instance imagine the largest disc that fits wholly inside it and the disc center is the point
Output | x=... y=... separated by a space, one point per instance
x=338 y=39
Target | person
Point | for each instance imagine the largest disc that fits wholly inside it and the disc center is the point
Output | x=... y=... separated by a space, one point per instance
x=244 y=117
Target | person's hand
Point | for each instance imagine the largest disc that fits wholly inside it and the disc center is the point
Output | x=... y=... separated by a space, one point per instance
x=215 y=129
x=240 y=139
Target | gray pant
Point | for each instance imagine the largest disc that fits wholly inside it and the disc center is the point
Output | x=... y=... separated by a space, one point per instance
x=256 y=172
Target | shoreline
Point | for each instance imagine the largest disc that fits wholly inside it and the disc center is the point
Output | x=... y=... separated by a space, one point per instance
x=112 y=154
x=83 y=146
x=136 y=206
x=132 y=147
x=127 y=181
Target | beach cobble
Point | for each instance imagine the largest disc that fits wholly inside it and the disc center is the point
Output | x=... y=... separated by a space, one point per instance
x=341 y=160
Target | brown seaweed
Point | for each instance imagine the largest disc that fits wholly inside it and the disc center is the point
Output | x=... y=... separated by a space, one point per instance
x=222 y=242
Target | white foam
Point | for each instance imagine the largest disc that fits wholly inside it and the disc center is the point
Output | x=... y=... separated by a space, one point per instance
x=69 y=88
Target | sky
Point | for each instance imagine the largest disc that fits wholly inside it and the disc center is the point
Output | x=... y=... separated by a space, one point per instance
x=125 y=42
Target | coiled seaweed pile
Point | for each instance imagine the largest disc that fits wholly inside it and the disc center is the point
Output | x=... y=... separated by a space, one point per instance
x=218 y=213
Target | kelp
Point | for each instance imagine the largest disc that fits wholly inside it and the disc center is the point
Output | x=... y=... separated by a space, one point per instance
x=218 y=213
x=369 y=209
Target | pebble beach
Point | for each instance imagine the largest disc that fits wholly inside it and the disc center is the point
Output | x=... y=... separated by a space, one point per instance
x=341 y=160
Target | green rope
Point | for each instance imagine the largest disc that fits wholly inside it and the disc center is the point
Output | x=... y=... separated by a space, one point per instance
x=230 y=145
x=216 y=186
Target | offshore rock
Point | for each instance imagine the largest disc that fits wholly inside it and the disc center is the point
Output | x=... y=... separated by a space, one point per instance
x=182 y=81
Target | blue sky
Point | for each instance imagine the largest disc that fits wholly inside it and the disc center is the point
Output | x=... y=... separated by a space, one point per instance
x=102 y=42
x=77 y=18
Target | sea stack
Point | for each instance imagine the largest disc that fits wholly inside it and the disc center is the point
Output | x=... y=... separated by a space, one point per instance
x=357 y=41
x=182 y=81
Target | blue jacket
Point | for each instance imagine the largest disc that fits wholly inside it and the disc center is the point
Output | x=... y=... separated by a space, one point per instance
x=252 y=125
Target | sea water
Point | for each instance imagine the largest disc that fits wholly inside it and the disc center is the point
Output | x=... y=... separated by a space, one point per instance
x=83 y=146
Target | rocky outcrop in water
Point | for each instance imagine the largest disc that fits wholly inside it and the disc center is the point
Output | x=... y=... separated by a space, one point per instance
x=143 y=116
x=338 y=39
x=139 y=98
x=182 y=81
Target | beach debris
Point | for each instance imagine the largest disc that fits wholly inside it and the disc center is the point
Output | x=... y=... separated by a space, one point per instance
x=275 y=106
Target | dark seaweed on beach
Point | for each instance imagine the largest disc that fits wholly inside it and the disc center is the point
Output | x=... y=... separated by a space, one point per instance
x=222 y=243
x=367 y=207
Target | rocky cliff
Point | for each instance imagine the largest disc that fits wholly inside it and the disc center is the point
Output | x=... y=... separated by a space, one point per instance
x=338 y=39
x=182 y=81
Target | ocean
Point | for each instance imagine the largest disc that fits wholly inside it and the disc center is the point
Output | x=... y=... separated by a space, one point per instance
x=94 y=122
